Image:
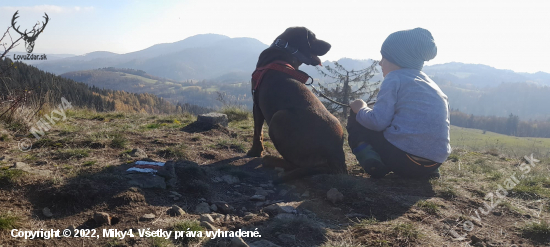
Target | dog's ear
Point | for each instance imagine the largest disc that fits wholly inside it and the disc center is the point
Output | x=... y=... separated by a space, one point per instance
x=318 y=47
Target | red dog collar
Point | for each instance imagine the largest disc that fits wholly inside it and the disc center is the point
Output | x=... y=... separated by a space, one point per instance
x=281 y=66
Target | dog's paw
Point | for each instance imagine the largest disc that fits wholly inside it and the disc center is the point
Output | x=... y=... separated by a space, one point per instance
x=254 y=153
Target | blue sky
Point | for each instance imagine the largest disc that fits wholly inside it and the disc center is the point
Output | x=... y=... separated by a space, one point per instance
x=503 y=34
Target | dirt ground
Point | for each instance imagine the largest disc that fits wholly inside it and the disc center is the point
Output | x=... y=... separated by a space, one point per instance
x=79 y=168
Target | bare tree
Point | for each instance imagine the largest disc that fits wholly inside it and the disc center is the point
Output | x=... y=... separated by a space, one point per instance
x=349 y=85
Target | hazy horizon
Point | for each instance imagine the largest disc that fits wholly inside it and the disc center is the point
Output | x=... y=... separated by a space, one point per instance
x=500 y=34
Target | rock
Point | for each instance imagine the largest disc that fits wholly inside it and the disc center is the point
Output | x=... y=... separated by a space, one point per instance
x=285 y=216
x=147 y=217
x=213 y=207
x=176 y=211
x=224 y=208
x=146 y=181
x=175 y=193
x=475 y=239
x=138 y=153
x=208 y=226
x=238 y=242
x=176 y=198
x=47 y=212
x=281 y=207
x=257 y=198
x=230 y=179
x=306 y=194
x=213 y=118
x=207 y=218
x=249 y=216
x=102 y=218
x=287 y=238
x=202 y=208
x=27 y=168
x=496 y=213
x=334 y=195
x=283 y=192
x=263 y=243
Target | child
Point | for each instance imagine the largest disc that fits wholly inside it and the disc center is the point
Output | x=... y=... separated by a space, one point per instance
x=407 y=131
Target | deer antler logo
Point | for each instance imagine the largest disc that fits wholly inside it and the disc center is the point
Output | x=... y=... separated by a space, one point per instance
x=29 y=40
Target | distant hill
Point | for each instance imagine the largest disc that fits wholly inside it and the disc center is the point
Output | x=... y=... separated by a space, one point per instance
x=479 y=75
x=44 y=85
x=199 y=57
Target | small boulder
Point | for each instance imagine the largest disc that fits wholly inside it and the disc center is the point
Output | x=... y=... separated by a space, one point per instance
x=334 y=195
x=102 y=218
x=230 y=179
x=259 y=198
x=213 y=118
x=46 y=211
x=207 y=218
x=208 y=226
x=224 y=208
x=213 y=207
x=138 y=153
x=176 y=211
x=147 y=217
x=202 y=208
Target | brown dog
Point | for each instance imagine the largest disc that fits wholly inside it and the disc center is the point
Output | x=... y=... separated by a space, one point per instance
x=309 y=138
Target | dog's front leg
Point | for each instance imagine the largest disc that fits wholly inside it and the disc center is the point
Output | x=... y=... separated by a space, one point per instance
x=257 y=145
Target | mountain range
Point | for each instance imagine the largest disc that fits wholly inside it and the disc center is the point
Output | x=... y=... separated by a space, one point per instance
x=193 y=69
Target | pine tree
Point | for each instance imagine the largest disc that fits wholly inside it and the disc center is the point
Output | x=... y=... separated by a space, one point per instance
x=349 y=85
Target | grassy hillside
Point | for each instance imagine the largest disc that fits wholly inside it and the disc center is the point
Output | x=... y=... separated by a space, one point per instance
x=480 y=140
x=78 y=169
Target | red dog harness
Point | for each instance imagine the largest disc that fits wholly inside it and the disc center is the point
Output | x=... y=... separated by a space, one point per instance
x=281 y=66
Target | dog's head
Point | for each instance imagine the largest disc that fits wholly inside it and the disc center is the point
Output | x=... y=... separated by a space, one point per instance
x=302 y=44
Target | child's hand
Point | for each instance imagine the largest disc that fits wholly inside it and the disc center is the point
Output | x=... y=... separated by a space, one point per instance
x=357 y=104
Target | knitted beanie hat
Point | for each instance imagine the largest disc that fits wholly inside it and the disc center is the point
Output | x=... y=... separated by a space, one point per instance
x=409 y=48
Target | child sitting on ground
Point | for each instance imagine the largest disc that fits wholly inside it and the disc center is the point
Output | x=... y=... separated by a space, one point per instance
x=407 y=130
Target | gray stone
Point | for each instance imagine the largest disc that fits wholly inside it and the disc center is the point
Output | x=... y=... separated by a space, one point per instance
x=263 y=243
x=283 y=192
x=249 y=216
x=238 y=242
x=213 y=207
x=102 y=218
x=334 y=195
x=146 y=181
x=306 y=194
x=47 y=212
x=138 y=153
x=147 y=217
x=257 y=198
x=27 y=168
x=202 y=208
x=230 y=179
x=213 y=118
x=281 y=207
x=175 y=193
x=207 y=218
x=208 y=226
x=176 y=211
x=224 y=208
